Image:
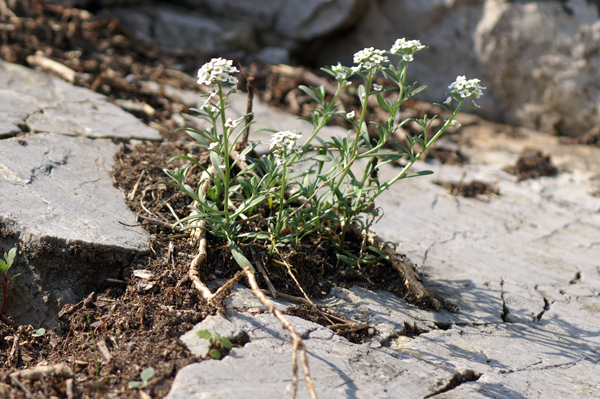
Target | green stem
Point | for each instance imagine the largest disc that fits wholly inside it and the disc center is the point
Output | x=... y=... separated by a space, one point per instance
x=226 y=160
x=414 y=159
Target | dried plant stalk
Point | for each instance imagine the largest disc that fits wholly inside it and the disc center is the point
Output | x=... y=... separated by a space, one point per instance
x=417 y=293
x=297 y=340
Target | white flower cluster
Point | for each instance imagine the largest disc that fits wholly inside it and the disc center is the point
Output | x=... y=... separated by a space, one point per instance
x=284 y=144
x=218 y=70
x=466 y=88
x=369 y=58
x=406 y=48
x=341 y=72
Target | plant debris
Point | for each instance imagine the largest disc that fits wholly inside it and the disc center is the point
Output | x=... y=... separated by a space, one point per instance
x=531 y=165
x=472 y=189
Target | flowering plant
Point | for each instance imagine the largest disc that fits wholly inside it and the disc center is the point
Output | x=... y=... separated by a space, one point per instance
x=333 y=196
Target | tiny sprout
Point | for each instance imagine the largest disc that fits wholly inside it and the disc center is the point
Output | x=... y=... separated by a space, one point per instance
x=146 y=376
x=39 y=333
x=219 y=346
x=9 y=259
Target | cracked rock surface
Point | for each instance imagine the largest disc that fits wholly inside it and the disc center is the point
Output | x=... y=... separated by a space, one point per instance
x=59 y=205
x=523 y=267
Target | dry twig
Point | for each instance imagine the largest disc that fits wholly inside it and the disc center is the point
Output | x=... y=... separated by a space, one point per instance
x=297 y=340
x=417 y=293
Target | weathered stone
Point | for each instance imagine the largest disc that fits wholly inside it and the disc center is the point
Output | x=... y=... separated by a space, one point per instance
x=59 y=205
x=538 y=59
x=260 y=13
x=311 y=19
x=40 y=103
x=184 y=30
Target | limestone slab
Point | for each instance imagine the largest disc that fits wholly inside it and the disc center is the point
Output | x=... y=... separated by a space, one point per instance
x=59 y=205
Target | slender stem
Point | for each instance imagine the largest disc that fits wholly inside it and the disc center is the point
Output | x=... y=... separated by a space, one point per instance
x=425 y=148
x=226 y=160
x=6 y=281
x=278 y=225
x=326 y=117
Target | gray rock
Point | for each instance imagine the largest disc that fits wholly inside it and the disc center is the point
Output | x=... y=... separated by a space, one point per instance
x=59 y=205
x=538 y=60
x=274 y=55
x=312 y=19
x=260 y=13
x=40 y=103
x=181 y=29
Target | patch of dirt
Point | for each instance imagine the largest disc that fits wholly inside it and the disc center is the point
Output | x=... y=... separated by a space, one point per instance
x=531 y=165
x=472 y=189
x=109 y=338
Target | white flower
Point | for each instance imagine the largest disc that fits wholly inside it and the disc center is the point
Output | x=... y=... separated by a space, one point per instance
x=212 y=146
x=475 y=104
x=218 y=70
x=467 y=88
x=370 y=58
x=377 y=87
x=222 y=167
x=406 y=47
x=350 y=115
x=448 y=101
x=455 y=123
x=407 y=57
x=230 y=124
x=284 y=143
x=241 y=157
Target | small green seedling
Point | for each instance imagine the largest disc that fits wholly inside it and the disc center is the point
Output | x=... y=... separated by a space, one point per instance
x=39 y=333
x=9 y=258
x=219 y=346
x=146 y=376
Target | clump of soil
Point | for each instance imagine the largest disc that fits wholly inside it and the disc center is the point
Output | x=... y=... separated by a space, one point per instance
x=531 y=165
x=472 y=189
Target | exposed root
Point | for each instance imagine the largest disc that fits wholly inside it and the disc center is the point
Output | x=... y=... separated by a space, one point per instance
x=297 y=340
x=60 y=370
x=417 y=293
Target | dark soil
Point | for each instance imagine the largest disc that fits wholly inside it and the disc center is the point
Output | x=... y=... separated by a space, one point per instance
x=532 y=164
x=109 y=338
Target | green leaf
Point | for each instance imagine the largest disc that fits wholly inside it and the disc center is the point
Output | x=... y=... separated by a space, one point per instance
x=257 y=235
x=346 y=259
x=239 y=257
x=147 y=374
x=417 y=90
x=215 y=354
x=135 y=384
x=383 y=103
x=361 y=94
x=321 y=158
x=216 y=161
x=10 y=256
x=376 y=250
x=204 y=334
x=225 y=342
x=310 y=92
x=420 y=173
